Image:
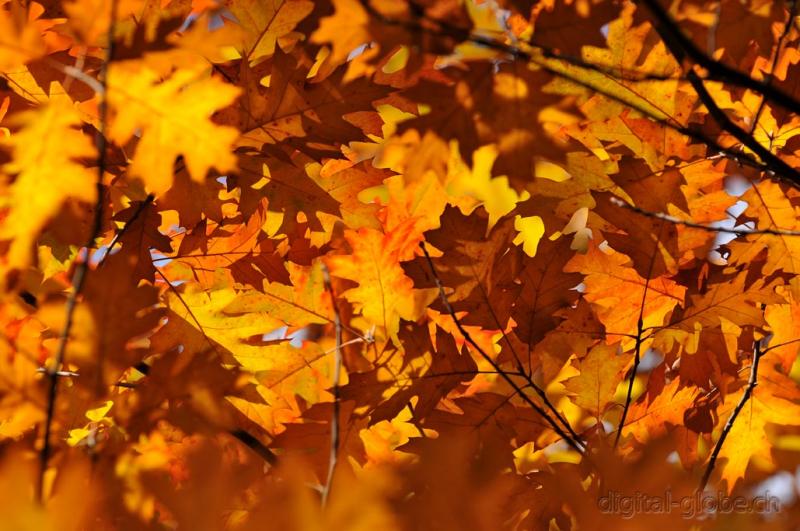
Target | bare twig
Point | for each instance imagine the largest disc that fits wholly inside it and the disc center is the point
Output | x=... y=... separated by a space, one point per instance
x=67 y=374
x=576 y=444
x=80 y=60
x=337 y=369
x=120 y=233
x=748 y=391
x=521 y=370
x=708 y=228
x=779 y=345
x=637 y=352
x=82 y=268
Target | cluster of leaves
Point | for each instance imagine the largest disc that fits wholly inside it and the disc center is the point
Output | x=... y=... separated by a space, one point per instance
x=383 y=264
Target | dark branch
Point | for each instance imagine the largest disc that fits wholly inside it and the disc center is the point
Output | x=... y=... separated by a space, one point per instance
x=82 y=267
x=777 y=167
x=675 y=38
x=682 y=47
x=768 y=77
x=637 y=352
x=257 y=446
x=576 y=444
x=748 y=391
x=769 y=163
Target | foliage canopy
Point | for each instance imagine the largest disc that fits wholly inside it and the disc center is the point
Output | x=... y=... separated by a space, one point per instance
x=383 y=264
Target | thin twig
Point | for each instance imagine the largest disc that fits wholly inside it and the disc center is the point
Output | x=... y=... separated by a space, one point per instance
x=337 y=369
x=769 y=76
x=748 y=391
x=80 y=60
x=82 y=268
x=779 y=345
x=120 y=233
x=257 y=446
x=521 y=370
x=637 y=352
x=708 y=228
x=576 y=444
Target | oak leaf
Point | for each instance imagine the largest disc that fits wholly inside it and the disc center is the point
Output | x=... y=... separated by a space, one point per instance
x=47 y=144
x=173 y=116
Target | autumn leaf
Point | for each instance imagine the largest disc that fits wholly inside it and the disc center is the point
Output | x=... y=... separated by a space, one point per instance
x=265 y=25
x=748 y=436
x=47 y=144
x=384 y=294
x=22 y=41
x=600 y=372
x=174 y=121
x=608 y=282
x=392 y=264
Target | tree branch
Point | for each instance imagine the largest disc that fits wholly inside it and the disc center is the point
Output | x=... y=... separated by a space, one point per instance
x=82 y=268
x=334 y=450
x=771 y=164
x=637 y=358
x=748 y=391
x=777 y=167
x=769 y=76
x=674 y=37
x=708 y=228
x=254 y=444
x=575 y=443
x=680 y=47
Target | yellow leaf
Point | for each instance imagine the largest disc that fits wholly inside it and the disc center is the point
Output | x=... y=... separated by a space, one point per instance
x=774 y=209
x=77 y=435
x=616 y=291
x=45 y=153
x=204 y=310
x=173 y=116
x=264 y=22
x=98 y=413
x=497 y=196
x=90 y=19
x=20 y=41
x=748 y=436
x=531 y=230
x=600 y=373
x=346 y=29
x=384 y=294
